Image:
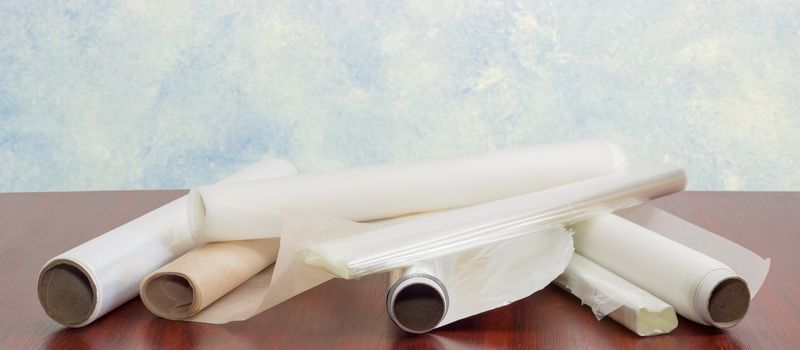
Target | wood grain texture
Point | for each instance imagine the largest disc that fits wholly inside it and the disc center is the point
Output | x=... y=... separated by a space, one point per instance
x=350 y=314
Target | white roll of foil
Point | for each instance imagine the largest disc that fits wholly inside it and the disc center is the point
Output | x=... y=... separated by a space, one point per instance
x=607 y=294
x=698 y=286
x=251 y=210
x=86 y=282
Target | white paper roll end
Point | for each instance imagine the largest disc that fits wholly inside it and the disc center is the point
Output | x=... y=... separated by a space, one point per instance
x=417 y=303
x=722 y=299
x=170 y=295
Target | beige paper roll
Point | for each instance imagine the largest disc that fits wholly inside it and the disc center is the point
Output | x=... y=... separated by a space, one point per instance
x=190 y=283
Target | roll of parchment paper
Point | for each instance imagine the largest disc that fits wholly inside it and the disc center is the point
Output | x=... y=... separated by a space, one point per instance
x=251 y=210
x=699 y=287
x=746 y=263
x=88 y=281
x=610 y=295
x=195 y=280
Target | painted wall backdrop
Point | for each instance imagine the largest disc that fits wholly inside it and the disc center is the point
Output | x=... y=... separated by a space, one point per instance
x=168 y=94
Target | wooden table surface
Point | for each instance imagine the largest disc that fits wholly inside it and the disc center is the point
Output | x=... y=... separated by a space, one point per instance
x=351 y=314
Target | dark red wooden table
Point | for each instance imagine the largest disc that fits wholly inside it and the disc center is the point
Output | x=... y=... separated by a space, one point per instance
x=350 y=314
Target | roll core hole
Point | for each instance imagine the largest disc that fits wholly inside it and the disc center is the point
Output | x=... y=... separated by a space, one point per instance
x=729 y=302
x=419 y=307
x=66 y=293
x=170 y=296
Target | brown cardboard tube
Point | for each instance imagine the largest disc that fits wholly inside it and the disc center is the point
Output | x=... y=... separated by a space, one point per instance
x=184 y=287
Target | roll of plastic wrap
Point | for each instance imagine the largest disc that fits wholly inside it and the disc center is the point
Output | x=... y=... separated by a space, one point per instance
x=434 y=293
x=251 y=210
x=699 y=287
x=86 y=282
x=428 y=237
x=610 y=295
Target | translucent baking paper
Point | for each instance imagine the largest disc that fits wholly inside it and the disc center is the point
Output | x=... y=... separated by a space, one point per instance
x=699 y=287
x=88 y=281
x=610 y=295
x=251 y=210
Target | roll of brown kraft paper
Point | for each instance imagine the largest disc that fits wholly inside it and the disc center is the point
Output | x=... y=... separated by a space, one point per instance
x=189 y=284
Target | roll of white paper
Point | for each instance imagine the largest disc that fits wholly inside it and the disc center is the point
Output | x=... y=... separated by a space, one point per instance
x=610 y=295
x=86 y=282
x=251 y=210
x=699 y=287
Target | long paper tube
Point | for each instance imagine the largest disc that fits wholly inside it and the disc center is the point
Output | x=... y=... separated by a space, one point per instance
x=404 y=244
x=86 y=282
x=610 y=295
x=195 y=280
x=699 y=287
x=252 y=210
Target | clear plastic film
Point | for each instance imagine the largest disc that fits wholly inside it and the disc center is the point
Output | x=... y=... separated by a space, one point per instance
x=607 y=294
x=79 y=286
x=436 y=235
x=252 y=210
x=699 y=287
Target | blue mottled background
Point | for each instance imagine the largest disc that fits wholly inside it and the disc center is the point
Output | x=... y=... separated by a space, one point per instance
x=165 y=94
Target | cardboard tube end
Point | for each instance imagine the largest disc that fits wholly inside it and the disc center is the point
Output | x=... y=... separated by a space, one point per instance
x=169 y=296
x=729 y=302
x=723 y=299
x=417 y=303
x=67 y=293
